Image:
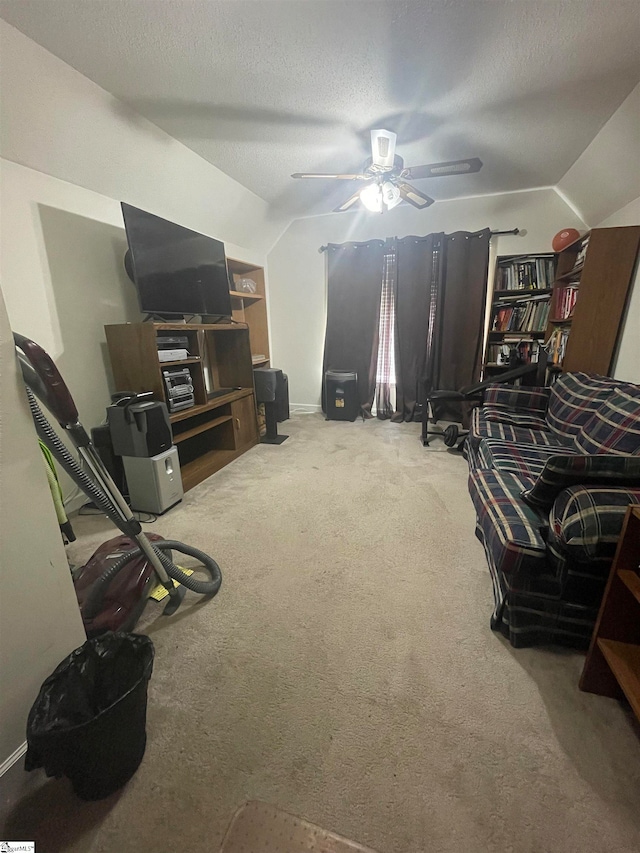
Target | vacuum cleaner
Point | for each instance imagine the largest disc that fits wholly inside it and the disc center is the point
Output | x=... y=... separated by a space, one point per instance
x=113 y=588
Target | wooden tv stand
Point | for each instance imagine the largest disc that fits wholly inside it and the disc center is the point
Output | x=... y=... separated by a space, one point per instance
x=217 y=429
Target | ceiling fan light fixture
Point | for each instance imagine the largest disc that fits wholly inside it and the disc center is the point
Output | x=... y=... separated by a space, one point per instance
x=383 y=148
x=371 y=197
x=390 y=195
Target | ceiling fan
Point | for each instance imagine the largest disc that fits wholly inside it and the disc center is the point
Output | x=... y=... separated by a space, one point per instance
x=385 y=176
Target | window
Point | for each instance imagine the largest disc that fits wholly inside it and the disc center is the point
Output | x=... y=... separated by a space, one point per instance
x=386 y=368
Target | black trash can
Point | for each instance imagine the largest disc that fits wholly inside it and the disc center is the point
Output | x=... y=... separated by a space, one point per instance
x=341 y=395
x=89 y=720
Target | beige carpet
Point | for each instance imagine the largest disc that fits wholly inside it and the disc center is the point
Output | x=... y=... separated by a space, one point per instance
x=346 y=673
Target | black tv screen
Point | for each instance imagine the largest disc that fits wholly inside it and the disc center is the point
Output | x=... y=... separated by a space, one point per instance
x=176 y=271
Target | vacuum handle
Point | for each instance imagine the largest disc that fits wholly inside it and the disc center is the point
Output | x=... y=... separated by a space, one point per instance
x=43 y=377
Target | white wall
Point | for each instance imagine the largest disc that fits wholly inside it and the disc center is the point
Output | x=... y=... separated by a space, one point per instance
x=71 y=152
x=297 y=270
x=39 y=618
x=606 y=176
x=56 y=121
x=627 y=365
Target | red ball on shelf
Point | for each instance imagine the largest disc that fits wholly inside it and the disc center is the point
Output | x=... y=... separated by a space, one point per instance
x=564 y=238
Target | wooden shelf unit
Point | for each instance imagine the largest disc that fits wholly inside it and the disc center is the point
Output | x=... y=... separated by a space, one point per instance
x=251 y=308
x=506 y=297
x=498 y=335
x=603 y=278
x=216 y=430
x=612 y=667
x=246 y=296
x=572 y=274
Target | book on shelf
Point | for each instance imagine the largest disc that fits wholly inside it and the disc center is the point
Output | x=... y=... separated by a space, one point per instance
x=530 y=316
x=566 y=301
x=525 y=273
x=582 y=251
x=556 y=346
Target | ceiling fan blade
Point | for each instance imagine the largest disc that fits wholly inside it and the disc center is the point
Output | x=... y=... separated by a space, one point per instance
x=414 y=196
x=348 y=203
x=438 y=170
x=383 y=148
x=333 y=177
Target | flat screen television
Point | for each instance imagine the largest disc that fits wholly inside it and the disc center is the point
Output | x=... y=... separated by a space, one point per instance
x=176 y=271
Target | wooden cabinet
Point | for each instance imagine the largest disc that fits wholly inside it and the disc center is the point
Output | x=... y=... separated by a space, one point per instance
x=244 y=421
x=612 y=667
x=222 y=423
x=596 y=273
x=251 y=308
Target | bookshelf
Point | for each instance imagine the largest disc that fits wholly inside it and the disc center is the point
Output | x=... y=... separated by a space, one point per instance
x=563 y=302
x=590 y=292
x=612 y=666
x=251 y=308
x=520 y=305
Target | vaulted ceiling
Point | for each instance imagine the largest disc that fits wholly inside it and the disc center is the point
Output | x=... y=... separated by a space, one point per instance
x=264 y=89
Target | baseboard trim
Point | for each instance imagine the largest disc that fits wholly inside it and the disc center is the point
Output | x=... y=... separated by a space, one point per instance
x=75 y=503
x=16 y=755
x=305 y=408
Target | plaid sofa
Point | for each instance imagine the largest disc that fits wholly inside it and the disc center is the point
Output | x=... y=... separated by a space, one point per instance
x=552 y=471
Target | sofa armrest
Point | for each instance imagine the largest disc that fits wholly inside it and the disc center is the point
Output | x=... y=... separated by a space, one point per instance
x=586 y=521
x=515 y=398
x=599 y=469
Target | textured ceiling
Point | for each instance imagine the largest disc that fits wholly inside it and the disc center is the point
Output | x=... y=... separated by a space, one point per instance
x=263 y=89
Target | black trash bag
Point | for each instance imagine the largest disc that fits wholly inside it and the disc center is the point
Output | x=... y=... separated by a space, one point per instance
x=89 y=720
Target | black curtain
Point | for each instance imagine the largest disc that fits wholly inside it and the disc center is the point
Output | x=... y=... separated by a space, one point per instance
x=354 y=285
x=440 y=301
x=418 y=289
x=460 y=316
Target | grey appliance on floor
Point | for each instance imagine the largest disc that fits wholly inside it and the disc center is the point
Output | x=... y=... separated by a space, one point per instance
x=141 y=434
x=155 y=484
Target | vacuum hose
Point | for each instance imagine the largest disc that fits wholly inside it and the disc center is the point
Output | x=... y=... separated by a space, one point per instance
x=61 y=452
x=94 y=601
x=101 y=499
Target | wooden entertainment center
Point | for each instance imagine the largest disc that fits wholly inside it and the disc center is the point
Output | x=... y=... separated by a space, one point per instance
x=219 y=427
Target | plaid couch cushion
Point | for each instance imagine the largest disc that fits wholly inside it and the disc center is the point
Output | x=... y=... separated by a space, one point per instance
x=573 y=399
x=517 y=398
x=562 y=471
x=482 y=428
x=614 y=427
x=511 y=530
x=585 y=522
x=524 y=460
x=501 y=414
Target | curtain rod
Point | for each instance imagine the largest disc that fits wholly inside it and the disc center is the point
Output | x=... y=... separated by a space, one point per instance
x=493 y=234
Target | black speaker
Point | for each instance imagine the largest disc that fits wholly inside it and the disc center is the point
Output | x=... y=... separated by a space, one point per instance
x=272 y=390
x=282 y=398
x=101 y=438
x=139 y=428
x=341 y=395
